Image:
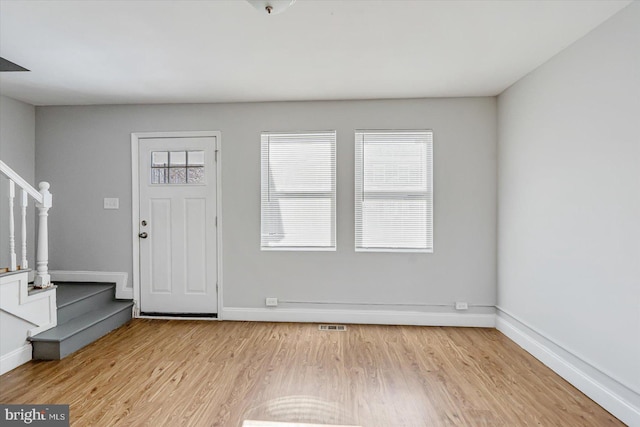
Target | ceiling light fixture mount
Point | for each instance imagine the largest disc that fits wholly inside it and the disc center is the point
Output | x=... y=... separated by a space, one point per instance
x=272 y=7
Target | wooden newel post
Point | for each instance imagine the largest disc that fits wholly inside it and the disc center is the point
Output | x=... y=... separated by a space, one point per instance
x=43 y=279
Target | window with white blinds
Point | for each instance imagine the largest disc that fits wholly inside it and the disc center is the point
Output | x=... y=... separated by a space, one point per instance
x=298 y=202
x=394 y=191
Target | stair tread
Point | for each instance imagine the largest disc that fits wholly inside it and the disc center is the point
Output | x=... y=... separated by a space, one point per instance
x=68 y=293
x=78 y=324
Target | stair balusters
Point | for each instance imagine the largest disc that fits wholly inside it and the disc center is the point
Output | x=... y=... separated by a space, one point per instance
x=43 y=200
x=24 y=202
x=12 y=239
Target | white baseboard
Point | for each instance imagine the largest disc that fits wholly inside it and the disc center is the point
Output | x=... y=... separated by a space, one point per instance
x=372 y=317
x=615 y=397
x=119 y=278
x=15 y=358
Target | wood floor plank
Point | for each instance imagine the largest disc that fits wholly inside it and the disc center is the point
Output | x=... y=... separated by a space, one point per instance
x=199 y=373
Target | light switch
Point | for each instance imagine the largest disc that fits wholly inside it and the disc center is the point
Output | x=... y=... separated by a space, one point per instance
x=111 y=203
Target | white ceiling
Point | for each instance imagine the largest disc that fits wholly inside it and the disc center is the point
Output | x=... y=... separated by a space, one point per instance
x=112 y=52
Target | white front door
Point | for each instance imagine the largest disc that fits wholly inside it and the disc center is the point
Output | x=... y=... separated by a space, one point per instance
x=177 y=227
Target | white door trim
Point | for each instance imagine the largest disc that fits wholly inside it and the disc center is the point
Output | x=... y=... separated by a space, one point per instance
x=135 y=207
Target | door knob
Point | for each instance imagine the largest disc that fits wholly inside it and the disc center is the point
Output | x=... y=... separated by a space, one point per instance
x=143 y=235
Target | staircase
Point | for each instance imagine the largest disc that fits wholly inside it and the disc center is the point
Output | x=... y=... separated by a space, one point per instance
x=58 y=320
x=86 y=312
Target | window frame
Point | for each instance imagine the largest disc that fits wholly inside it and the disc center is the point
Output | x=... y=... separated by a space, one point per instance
x=361 y=196
x=273 y=194
x=168 y=166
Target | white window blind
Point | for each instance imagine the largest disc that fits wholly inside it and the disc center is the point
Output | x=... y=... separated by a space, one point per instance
x=298 y=191
x=394 y=191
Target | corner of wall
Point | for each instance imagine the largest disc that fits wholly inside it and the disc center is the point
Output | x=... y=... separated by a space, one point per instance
x=605 y=390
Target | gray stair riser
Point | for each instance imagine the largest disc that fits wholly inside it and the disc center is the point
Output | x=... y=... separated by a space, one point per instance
x=85 y=305
x=46 y=350
x=57 y=350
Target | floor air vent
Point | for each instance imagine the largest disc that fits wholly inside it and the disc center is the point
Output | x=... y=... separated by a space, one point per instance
x=333 y=327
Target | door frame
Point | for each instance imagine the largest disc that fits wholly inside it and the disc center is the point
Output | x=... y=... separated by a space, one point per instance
x=135 y=213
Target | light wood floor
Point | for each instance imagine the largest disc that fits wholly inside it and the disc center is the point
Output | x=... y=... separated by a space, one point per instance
x=197 y=373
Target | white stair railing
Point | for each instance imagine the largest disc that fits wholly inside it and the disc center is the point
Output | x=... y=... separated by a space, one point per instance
x=43 y=200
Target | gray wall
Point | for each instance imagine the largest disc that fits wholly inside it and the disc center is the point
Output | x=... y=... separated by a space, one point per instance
x=85 y=153
x=17 y=149
x=569 y=197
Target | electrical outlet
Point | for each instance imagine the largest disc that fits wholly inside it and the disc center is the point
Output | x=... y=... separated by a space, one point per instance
x=111 y=203
x=271 y=302
x=462 y=305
